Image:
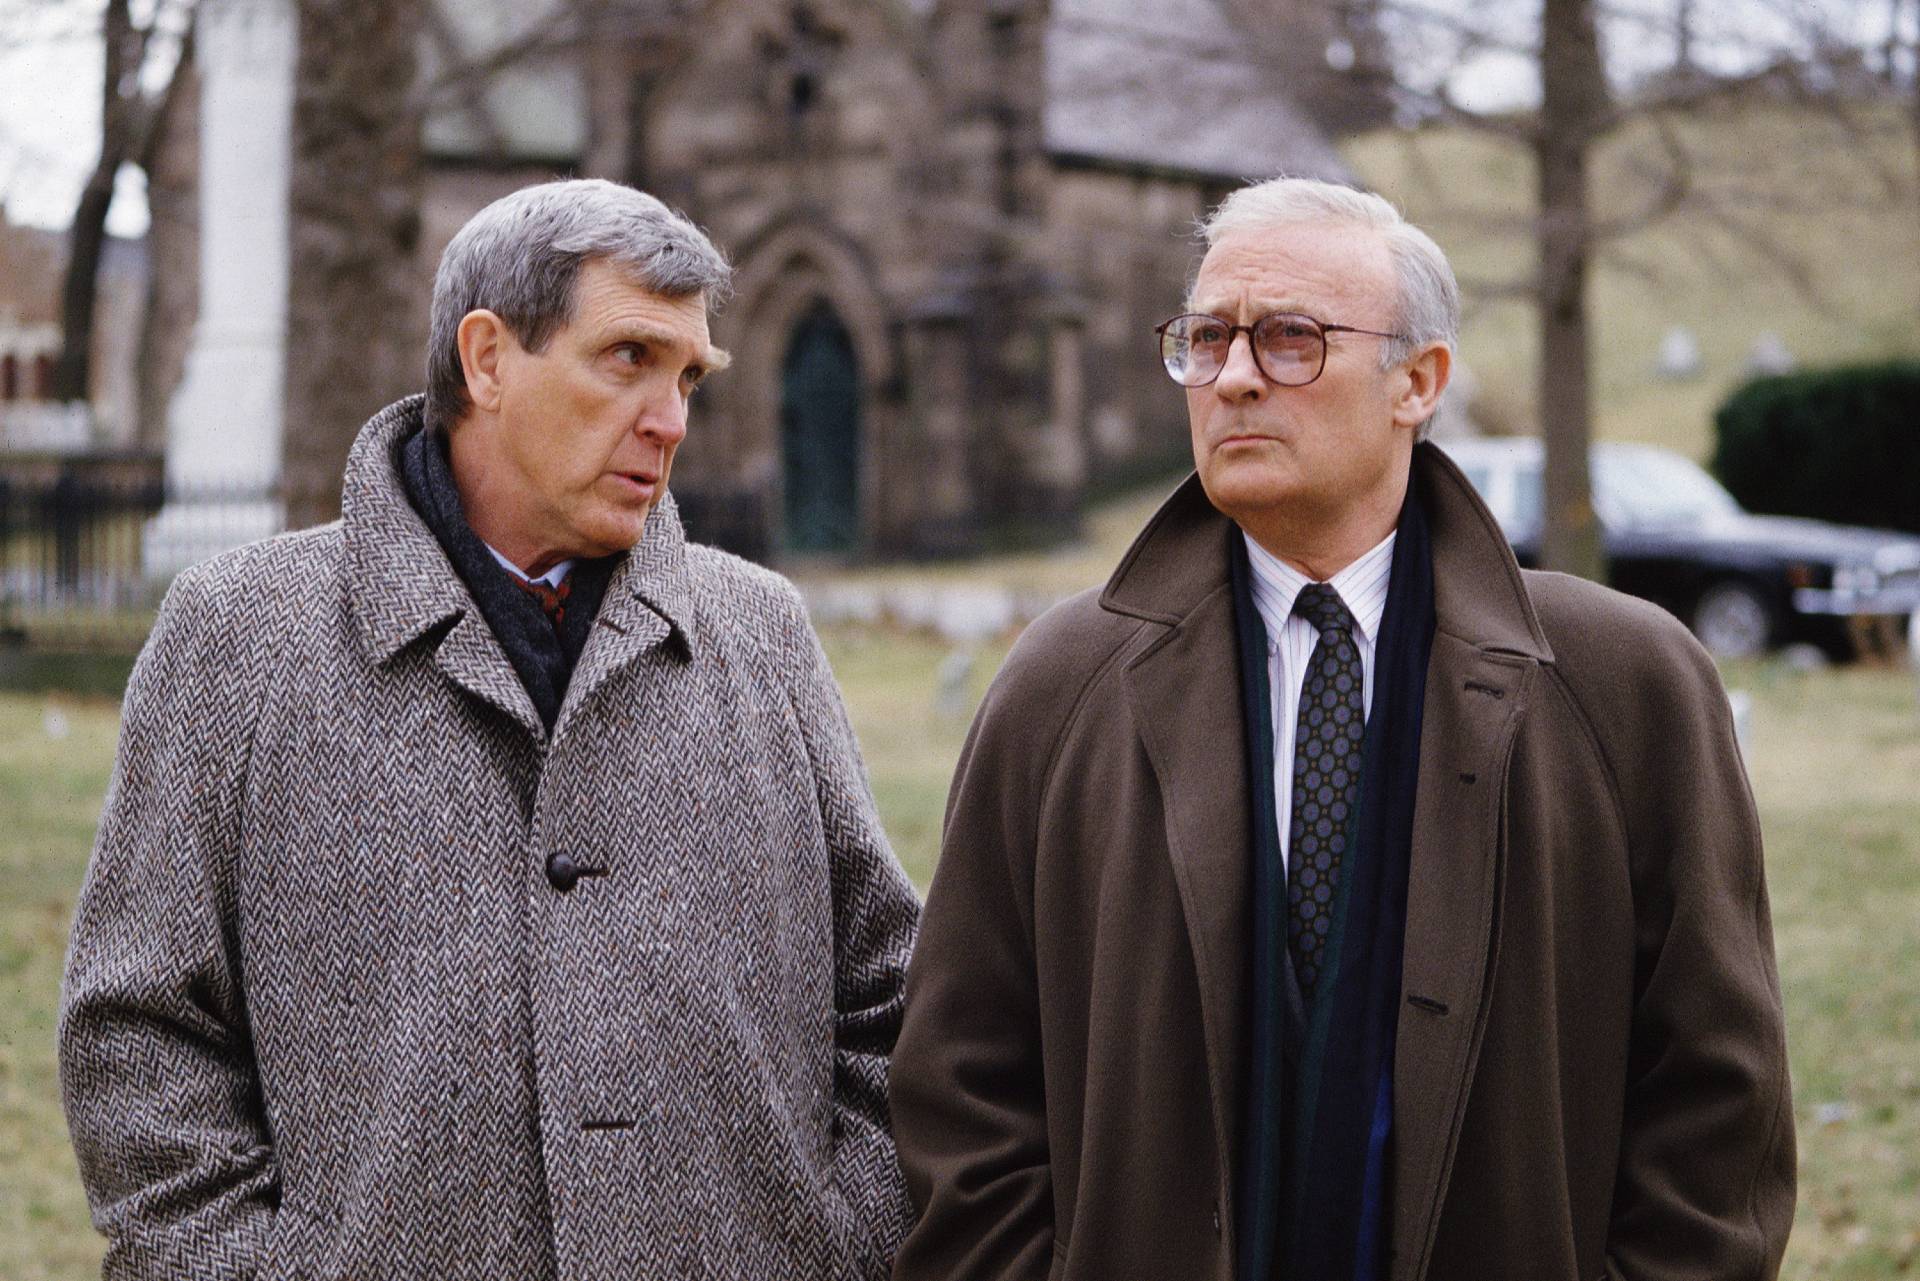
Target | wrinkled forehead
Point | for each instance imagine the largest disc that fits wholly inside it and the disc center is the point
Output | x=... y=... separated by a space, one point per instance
x=1329 y=270
x=609 y=296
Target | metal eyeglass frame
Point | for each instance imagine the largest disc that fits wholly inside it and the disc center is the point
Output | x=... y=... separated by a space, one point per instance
x=1321 y=330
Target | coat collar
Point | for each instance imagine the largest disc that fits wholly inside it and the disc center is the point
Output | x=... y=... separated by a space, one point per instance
x=405 y=588
x=1179 y=560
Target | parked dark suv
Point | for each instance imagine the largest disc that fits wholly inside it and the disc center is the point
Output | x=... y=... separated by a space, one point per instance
x=1743 y=583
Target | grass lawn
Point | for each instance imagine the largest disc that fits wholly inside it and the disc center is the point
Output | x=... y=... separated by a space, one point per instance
x=1834 y=758
x=54 y=758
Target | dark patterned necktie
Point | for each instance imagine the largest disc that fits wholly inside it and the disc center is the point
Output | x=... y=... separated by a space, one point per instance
x=553 y=600
x=1326 y=778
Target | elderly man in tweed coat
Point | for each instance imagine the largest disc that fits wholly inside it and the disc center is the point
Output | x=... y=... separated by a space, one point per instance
x=489 y=885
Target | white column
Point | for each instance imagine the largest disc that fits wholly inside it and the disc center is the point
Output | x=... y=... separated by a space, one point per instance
x=224 y=423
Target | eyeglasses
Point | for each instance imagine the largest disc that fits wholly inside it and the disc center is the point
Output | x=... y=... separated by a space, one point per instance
x=1289 y=348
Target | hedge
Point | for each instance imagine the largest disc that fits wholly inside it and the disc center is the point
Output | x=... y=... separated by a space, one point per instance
x=1839 y=444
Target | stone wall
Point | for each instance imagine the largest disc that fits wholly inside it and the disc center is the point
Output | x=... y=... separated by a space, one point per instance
x=1127 y=240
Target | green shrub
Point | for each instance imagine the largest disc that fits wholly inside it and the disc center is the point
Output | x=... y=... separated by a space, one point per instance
x=1837 y=444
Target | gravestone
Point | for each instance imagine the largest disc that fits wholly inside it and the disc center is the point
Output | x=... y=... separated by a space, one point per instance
x=1679 y=355
x=1770 y=356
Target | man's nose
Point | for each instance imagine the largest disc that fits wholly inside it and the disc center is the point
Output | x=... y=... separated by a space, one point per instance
x=1240 y=377
x=663 y=419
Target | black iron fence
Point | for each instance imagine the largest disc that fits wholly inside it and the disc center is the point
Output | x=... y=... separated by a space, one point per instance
x=88 y=545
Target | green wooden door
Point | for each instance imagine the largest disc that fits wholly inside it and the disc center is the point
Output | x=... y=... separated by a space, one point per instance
x=820 y=435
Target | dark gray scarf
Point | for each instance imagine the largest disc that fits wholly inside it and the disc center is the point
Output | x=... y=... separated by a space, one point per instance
x=543 y=659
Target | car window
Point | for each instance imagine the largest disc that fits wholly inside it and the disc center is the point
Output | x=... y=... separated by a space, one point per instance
x=1480 y=475
x=1528 y=499
x=1653 y=487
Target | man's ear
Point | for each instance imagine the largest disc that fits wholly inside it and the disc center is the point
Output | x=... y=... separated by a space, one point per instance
x=482 y=339
x=1427 y=374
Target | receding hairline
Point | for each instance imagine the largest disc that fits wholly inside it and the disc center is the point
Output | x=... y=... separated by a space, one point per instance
x=1388 y=283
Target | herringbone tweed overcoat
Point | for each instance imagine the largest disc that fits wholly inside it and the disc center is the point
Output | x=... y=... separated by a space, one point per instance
x=328 y=1015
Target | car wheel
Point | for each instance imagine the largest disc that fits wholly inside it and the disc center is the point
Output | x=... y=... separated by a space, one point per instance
x=1733 y=620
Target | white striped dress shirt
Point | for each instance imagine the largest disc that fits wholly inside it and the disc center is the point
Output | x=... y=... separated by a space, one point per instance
x=552 y=578
x=1290 y=642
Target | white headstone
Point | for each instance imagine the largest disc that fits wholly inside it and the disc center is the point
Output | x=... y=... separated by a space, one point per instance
x=1679 y=354
x=224 y=423
x=1770 y=356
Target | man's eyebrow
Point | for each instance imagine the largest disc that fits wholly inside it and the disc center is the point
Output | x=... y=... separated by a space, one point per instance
x=620 y=334
x=1257 y=306
x=713 y=358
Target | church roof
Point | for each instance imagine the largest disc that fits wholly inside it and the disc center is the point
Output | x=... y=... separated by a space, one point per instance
x=1165 y=85
x=1173 y=85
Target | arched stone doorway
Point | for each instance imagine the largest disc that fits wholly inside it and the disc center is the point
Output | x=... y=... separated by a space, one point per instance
x=820 y=435
x=798 y=437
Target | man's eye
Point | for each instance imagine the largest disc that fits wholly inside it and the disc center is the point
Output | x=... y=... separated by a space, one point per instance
x=630 y=352
x=692 y=378
x=1290 y=329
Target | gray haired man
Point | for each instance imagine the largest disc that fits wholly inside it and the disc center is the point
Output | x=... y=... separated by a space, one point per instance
x=1326 y=899
x=489 y=885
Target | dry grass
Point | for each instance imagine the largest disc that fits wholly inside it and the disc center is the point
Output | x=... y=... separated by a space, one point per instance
x=1834 y=758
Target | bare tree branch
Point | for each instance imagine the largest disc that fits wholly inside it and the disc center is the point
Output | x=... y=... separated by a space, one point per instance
x=1676 y=183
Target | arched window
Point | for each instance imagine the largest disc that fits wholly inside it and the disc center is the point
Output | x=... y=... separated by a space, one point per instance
x=43 y=377
x=9 y=377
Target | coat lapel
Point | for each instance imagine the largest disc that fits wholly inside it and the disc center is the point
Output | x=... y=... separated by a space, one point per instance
x=1472 y=712
x=401 y=585
x=1186 y=699
x=1487 y=654
x=1184 y=690
x=648 y=604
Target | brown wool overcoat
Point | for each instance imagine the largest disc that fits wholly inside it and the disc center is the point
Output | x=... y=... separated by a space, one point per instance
x=1591 y=1077
x=331 y=1015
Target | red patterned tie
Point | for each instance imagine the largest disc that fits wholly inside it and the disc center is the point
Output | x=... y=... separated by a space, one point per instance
x=553 y=600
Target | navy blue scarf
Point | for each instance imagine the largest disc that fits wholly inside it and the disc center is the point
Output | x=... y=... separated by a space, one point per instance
x=542 y=659
x=1315 y=1155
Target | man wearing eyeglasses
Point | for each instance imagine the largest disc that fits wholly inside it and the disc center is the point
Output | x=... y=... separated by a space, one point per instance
x=1326 y=898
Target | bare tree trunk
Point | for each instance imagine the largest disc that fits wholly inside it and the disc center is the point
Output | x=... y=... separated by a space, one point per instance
x=1574 y=98
x=352 y=317
x=1913 y=93
x=87 y=237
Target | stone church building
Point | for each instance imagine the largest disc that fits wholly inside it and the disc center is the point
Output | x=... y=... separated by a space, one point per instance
x=955 y=223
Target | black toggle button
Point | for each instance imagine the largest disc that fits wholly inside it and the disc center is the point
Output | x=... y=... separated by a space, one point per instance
x=562 y=872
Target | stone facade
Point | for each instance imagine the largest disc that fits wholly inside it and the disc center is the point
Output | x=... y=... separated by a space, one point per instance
x=956 y=223
x=994 y=198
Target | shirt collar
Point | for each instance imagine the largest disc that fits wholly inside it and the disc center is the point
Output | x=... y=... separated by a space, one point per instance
x=552 y=578
x=1276 y=585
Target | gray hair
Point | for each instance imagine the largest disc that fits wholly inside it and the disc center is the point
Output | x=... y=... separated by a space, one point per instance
x=521 y=256
x=1429 y=301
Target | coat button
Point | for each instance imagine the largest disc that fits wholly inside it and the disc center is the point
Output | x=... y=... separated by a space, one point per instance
x=562 y=872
